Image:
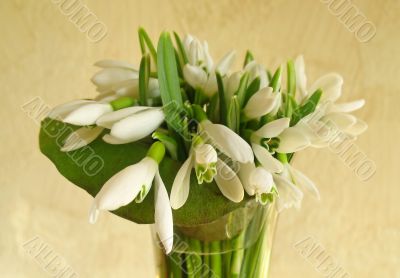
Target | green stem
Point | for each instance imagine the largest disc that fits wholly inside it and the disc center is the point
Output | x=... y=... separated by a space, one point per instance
x=216 y=264
x=227 y=257
x=207 y=265
x=255 y=254
x=195 y=247
x=175 y=265
x=238 y=254
x=189 y=266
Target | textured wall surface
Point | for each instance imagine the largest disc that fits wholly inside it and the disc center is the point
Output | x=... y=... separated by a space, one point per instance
x=45 y=55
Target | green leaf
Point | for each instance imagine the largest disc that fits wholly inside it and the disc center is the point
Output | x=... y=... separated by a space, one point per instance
x=276 y=80
x=233 y=120
x=169 y=81
x=290 y=89
x=144 y=40
x=222 y=100
x=248 y=58
x=307 y=108
x=181 y=49
x=213 y=109
x=291 y=79
x=144 y=75
x=90 y=167
x=252 y=89
x=242 y=89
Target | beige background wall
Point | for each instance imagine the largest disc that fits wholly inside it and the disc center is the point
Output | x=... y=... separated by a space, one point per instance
x=44 y=55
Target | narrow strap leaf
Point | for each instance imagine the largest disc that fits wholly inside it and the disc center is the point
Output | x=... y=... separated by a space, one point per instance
x=242 y=89
x=248 y=58
x=275 y=83
x=222 y=100
x=168 y=79
x=181 y=49
x=307 y=108
x=291 y=79
x=233 y=119
x=252 y=89
x=144 y=75
x=144 y=40
x=290 y=88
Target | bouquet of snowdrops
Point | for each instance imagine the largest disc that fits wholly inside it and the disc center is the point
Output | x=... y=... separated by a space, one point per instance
x=204 y=139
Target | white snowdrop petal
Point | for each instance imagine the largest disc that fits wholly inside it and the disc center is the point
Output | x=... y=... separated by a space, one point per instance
x=195 y=53
x=288 y=194
x=112 y=76
x=181 y=185
x=80 y=138
x=60 y=111
x=244 y=175
x=228 y=182
x=348 y=106
x=357 y=128
x=108 y=63
x=232 y=85
x=205 y=154
x=107 y=120
x=301 y=78
x=195 y=76
x=331 y=86
x=123 y=187
x=187 y=40
x=274 y=128
x=226 y=62
x=163 y=214
x=228 y=142
x=211 y=85
x=339 y=121
x=261 y=103
x=138 y=125
x=292 y=140
x=208 y=61
x=257 y=70
x=261 y=180
x=266 y=159
x=109 y=139
x=303 y=181
x=87 y=114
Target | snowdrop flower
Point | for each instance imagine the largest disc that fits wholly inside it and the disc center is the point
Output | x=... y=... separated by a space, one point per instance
x=132 y=125
x=134 y=182
x=331 y=86
x=121 y=79
x=257 y=70
x=80 y=112
x=265 y=142
x=226 y=179
x=323 y=127
x=290 y=184
x=256 y=181
x=261 y=103
x=227 y=141
x=197 y=52
x=200 y=71
x=205 y=163
x=87 y=114
x=254 y=70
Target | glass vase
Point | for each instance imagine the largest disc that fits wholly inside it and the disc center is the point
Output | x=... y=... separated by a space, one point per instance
x=236 y=245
